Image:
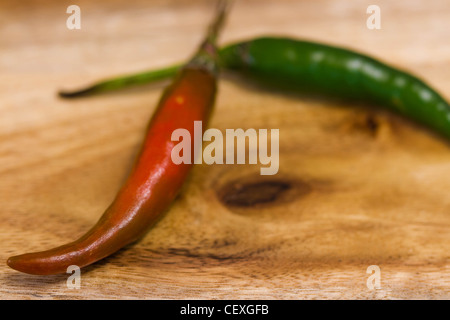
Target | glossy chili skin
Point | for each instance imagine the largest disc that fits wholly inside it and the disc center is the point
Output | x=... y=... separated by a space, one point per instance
x=333 y=71
x=150 y=188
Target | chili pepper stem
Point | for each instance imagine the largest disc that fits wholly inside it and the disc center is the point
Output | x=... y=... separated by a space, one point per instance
x=122 y=82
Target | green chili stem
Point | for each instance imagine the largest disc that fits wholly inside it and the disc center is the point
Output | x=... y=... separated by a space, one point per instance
x=123 y=82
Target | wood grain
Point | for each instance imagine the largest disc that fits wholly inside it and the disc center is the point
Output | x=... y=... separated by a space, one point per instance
x=357 y=186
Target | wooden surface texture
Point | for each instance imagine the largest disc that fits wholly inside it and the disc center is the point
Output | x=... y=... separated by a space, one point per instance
x=360 y=186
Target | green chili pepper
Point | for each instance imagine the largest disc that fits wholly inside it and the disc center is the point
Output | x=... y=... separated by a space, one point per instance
x=327 y=70
x=339 y=72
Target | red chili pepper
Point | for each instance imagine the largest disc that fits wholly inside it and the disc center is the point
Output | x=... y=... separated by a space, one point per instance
x=154 y=181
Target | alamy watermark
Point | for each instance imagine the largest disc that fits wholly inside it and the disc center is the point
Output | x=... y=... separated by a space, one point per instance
x=74 y=20
x=374 y=281
x=258 y=147
x=374 y=20
x=74 y=281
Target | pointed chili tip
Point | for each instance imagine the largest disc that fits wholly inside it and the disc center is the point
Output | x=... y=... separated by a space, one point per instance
x=12 y=263
x=79 y=93
x=64 y=94
x=26 y=263
x=69 y=94
x=19 y=263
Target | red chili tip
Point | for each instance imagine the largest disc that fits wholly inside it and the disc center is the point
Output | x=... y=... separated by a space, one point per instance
x=28 y=263
x=13 y=263
x=18 y=264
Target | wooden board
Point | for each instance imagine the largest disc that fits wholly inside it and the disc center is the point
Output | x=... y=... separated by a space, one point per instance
x=361 y=186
